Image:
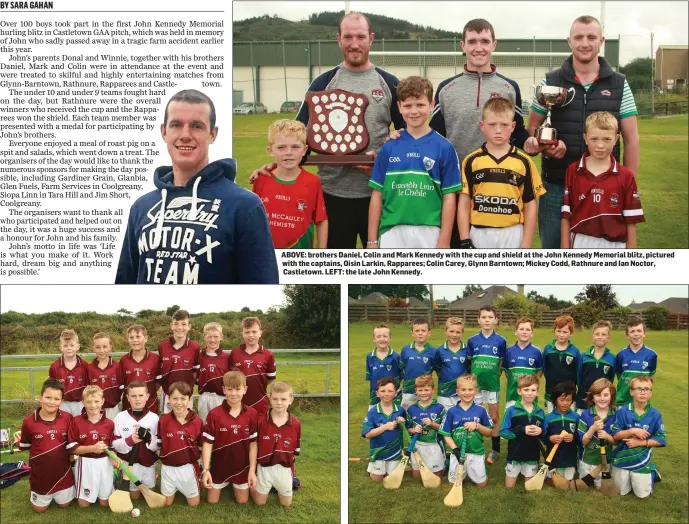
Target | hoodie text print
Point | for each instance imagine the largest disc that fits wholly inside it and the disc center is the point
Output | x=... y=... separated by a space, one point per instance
x=209 y=231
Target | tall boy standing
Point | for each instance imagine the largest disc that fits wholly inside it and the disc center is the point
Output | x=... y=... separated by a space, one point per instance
x=140 y=364
x=213 y=364
x=634 y=360
x=106 y=373
x=560 y=359
x=71 y=370
x=383 y=362
x=414 y=179
x=487 y=350
x=451 y=361
x=418 y=358
x=594 y=363
x=521 y=359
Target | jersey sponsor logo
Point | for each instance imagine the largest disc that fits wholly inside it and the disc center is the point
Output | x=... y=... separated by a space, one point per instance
x=282 y=197
x=644 y=365
x=495 y=204
x=569 y=359
x=605 y=92
x=395 y=159
x=428 y=163
x=606 y=369
x=413 y=154
x=531 y=361
x=614 y=199
x=377 y=94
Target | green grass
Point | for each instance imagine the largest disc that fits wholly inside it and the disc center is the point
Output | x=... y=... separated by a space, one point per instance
x=662 y=177
x=318 y=500
x=369 y=501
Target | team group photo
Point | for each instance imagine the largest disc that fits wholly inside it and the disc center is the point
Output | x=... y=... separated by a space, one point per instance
x=171 y=407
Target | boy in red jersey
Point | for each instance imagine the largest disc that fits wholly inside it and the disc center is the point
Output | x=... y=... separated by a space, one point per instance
x=256 y=362
x=179 y=435
x=140 y=364
x=70 y=369
x=293 y=197
x=179 y=356
x=602 y=204
x=89 y=435
x=213 y=364
x=279 y=441
x=44 y=433
x=106 y=373
x=135 y=437
x=229 y=443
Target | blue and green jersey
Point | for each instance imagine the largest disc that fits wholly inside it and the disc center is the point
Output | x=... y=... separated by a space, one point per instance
x=486 y=354
x=415 y=364
x=387 y=445
x=637 y=459
x=629 y=364
x=450 y=365
x=519 y=362
x=376 y=368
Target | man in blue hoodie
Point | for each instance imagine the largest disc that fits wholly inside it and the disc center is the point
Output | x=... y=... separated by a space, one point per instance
x=198 y=226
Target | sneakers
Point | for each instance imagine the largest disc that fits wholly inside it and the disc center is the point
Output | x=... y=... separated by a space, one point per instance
x=492 y=457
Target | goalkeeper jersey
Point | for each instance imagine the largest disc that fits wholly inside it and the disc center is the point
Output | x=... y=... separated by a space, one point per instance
x=499 y=187
x=413 y=174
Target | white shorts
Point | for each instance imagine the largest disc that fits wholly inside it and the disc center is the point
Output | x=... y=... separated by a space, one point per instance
x=208 y=401
x=179 y=478
x=72 y=407
x=431 y=454
x=382 y=467
x=111 y=413
x=277 y=476
x=626 y=481
x=497 y=237
x=513 y=469
x=567 y=473
x=225 y=484
x=448 y=402
x=579 y=241
x=580 y=411
x=585 y=469
x=411 y=237
x=509 y=403
x=487 y=397
x=549 y=407
x=147 y=475
x=93 y=478
x=60 y=497
x=408 y=399
x=474 y=466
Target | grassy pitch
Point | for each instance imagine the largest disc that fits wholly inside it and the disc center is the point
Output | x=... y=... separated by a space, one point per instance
x=370 y=502
x=662 y=177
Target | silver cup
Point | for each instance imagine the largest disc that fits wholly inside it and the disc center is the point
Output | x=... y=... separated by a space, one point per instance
x=551 y=96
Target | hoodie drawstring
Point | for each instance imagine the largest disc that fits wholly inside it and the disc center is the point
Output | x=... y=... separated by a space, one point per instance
x=158 y=232
x=194 y=198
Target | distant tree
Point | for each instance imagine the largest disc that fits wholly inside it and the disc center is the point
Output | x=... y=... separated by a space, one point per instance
x=522 y=306
x=470 y=289
x=312 y=314
x=147 y=313
x=125 y=312
x=638 y=73
x=419 y=291
x=656 y=317
x=551 y=300
x=245 y=309
x=601 y=295
x=169 y=311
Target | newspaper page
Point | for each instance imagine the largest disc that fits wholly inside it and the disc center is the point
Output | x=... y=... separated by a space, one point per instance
x=83 y=88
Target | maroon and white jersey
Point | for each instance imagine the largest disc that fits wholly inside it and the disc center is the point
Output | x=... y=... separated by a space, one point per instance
x=230 y=437
x=601 y=206
x=178 y=364
x=125 y=426
x=146 y=370
x=109 y=379
x=278 y=444
x=83 y=432
x=75 y=379
x=46 y=441
x=179 y=443
x=259 y=369
x=212 y=368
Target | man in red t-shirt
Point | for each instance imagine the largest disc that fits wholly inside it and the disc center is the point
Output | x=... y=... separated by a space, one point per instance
x=293 y=197
x=140 y=364
x=256 y=362
x=44 y=433
x=602 y=204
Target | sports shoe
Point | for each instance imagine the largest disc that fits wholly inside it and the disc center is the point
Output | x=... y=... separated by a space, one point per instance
x=492 y=457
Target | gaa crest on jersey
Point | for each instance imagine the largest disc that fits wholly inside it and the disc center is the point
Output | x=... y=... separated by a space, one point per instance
x=301 y=205
x=662 y=427
x=425 y=360
x=569 y=359
x=287 y=442
x=388 y=367
x=644 y=365
x=434 y=416
x=614 y=199
x=645 y=426
x=571 y=427
x=377 y=94
x=428 y=163
x=495 y=350
x=461 y=359
x=606 y=369
x=531 y=361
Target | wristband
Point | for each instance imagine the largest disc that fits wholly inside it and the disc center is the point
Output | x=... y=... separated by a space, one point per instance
x=370 y=242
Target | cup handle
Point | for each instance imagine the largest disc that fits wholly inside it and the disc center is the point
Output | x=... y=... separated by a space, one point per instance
x=574 y=93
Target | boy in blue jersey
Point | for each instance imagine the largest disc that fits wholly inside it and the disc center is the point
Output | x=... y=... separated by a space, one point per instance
x=383 y=362
x=451 y=361
x=596 y=362
x=593 y=433
x=381 y=426
x=424 y=417
x=487 y=350
x=634 y=360
x=418 y=358
x=522 y=426
x=562 y=419
x=521 y=359
x=415 y=179
x=467 y=420
x=560 y=359
x=638 y=427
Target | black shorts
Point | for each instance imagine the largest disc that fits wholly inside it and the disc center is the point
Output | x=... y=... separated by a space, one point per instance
x=347 y=219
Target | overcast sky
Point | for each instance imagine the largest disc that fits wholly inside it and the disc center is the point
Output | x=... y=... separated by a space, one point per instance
x=635 y=21
x=625 y=294
x=108 y=299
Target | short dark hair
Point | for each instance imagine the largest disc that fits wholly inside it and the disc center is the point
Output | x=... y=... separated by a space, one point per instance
x=490 y=308
x=384 y=382
x=192 y=96
x=136 y=384
x=420 y=322
x=633 y=322
x=355 y=14
x=181 y=314
x=563 y=388
x=180 y=386
x=478 y=25
x=53 y=383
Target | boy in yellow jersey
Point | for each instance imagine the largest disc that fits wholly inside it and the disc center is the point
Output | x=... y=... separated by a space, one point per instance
x=500 y=185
